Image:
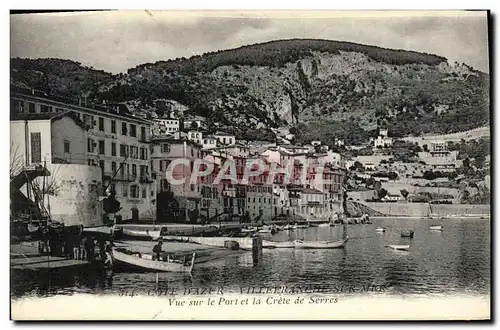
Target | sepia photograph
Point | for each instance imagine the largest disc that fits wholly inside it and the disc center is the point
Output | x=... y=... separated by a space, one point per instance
x=250 y=165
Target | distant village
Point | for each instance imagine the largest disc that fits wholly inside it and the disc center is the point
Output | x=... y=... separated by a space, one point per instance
x=78 y=154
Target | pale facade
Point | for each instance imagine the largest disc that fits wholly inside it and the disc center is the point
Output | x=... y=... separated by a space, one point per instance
x=116 y=143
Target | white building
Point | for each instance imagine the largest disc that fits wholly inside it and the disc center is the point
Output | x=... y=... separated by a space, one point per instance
x=200 y=123
x=225 y=138
x=117 y=143
x=196 y=136
x=209 y=142
x=57 y=141
x=383 y=140
x=167 y=125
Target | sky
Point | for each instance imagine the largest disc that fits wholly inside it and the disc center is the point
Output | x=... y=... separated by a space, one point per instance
x=116 y=41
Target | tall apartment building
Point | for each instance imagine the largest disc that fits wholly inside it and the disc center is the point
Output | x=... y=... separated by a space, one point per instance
x=116 y=142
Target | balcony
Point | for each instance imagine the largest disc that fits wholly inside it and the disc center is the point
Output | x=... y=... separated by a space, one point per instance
x=146 y=179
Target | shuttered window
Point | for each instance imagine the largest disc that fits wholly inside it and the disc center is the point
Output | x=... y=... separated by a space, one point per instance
x=36 y=147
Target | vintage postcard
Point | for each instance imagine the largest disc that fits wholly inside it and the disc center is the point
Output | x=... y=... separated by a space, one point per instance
x=258 y=165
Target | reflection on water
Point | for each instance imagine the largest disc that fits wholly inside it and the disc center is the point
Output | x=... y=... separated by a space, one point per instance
x=456 y=260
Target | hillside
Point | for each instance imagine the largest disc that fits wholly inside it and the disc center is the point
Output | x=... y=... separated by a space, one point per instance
x=325 y=89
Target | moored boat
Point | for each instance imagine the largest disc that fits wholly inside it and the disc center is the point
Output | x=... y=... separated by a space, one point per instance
x=248 y=230
x=288 y=227
x=300 y=244
x=380 y=229
x=440 y=227
x=152 y=234
x=326 y=224
x=146 y=262
x=399 y=247
x=277 y=245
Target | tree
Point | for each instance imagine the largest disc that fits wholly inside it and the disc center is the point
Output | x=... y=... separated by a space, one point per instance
x=392 y=175
x=404 y=193
x=425 y=147
x=382 y=193
x=194 y=125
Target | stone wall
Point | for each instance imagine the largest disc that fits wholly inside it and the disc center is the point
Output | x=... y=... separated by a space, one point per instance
x=422 y=209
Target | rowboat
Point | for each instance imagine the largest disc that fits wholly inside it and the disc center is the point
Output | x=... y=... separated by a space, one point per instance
x=440 y=227
x=299 y=244
x=399 y=247
x=380 y=229
x=152 y=234
x=301 y=226
x=277 y=245
x=248 y=230
x=145 y=262
x=407 y=233
x=288 y=227
x=324 y=225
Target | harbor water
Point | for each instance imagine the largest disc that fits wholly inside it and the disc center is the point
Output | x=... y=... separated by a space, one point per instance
x=453 y=261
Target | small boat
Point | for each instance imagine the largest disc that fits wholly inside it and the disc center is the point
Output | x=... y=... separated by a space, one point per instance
x=277 y=245
x=440 y=227
x=399 y=247
x=265 y=230
x=407 y=233
x=301 y=226
x=324 y=224
x=152 y=234
x=300 y=244
x=146 y=262
x=380 y=229
x=248 y=230
x=288 y=227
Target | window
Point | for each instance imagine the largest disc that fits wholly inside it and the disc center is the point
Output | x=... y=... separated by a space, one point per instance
x=125 y=190
x=87 y=120
x=113 y=167
x=112 y=187
x=101 y=124
x=192 y=187
x=123 y=150
x=90 y=145
x=134 y=191
x=101 y=165
x=124 y=128
x=133 y=130
x=113 y=149
x=45 y=108
x=143 y=133
x=134 y=170
x=165 y=147
x=113 y=127
x=101 y=147
x=31 y=107
x=66 y=146
x=192 y=152
x=36 y=147
x=143 y=192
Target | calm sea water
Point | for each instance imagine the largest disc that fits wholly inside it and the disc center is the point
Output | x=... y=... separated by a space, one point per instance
x=456 y=260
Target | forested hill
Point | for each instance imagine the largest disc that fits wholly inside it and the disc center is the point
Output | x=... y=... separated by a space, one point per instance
x=326 y=88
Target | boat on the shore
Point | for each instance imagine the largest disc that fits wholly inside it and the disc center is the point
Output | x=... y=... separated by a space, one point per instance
x=300 y=244
x=380 y=229
x=439 y=227
x=407 y=233
x=145 y=262
x=277 y=245
x=151 y=234
x=325 y=224
x=399 y=247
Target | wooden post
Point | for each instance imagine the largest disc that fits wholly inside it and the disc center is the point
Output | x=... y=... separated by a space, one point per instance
x=256 y=249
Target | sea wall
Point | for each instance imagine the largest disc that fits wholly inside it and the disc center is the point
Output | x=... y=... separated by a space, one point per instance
x=422 y=209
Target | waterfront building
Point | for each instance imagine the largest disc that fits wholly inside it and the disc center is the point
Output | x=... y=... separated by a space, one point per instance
x=164 y=151
x=58 y=142
x=117 y=143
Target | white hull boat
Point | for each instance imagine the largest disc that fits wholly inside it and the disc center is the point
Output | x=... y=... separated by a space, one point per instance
x=380 y=229
x=399 y=247
x=146 y=262
x=322 y=225
x=288 y=227
x=277 y=245
x=436 y=227
x=299 y=244
x=152 y=234
x=248 y=230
